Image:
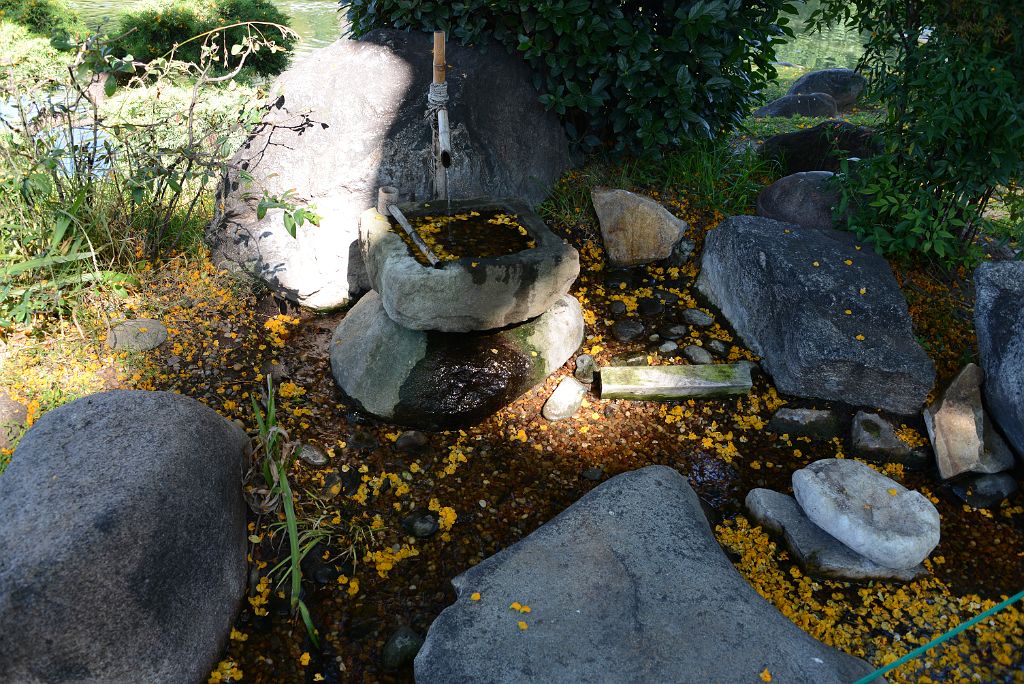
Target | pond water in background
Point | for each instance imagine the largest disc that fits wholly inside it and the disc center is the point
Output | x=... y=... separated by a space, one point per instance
x=834 y=47
x=319 y=23
x=316 y=21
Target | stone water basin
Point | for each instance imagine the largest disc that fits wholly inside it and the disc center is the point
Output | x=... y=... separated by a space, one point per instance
x=470 y=292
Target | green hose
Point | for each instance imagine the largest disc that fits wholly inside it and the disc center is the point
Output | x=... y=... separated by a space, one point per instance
x=938 y=640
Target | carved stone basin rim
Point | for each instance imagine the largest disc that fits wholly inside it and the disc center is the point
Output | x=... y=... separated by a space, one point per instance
x=470 y=293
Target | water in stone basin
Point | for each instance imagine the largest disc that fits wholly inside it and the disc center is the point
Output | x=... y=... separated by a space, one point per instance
x=491 y=233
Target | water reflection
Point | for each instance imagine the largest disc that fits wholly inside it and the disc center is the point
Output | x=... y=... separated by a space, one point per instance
x=318 y=22
x=834 y=47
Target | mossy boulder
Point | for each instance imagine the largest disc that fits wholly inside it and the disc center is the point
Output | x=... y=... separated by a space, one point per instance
x=435 y=380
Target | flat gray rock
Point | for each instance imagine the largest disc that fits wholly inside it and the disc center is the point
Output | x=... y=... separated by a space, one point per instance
x=565 y=401
x=872 y=514
x=13 y=415
x=471 y=293
x=635 y=229
x=960 y=432
x=348 y=119
x=123 y=547
x=874 y=438
x=844 y=85
x=986 y=491
x=811 y=104
x=436 y=381
x=786 y=290
x=817 y=552
x=804 y=422
x=627 y=585
x=804 y=198
x=138 y=335
x=999 y=322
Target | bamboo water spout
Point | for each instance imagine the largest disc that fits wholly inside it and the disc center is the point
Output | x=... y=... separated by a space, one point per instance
x=387 y=205
x=437 y=103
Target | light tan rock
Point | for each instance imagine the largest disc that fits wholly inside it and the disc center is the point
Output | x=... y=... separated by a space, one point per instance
x=635 y=229
x=959 y=431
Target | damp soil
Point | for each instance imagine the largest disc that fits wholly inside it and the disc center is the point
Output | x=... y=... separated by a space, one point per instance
x=521 y=471
x=468 y=234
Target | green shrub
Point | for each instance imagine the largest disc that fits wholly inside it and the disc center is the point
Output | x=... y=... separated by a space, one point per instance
x=951 y=76
x=154 y=29
x=25 y=56
x=635 y=76
x=89 y=184
x=44 y=17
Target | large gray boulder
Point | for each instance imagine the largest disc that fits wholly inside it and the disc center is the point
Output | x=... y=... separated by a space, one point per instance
x=348 y=119
x=434 y=380
x=872 y=514
x=999 y=322
x=822 y=147
x=635 y=229
x=811 y=104
x=627 y=585
x=817 y=552
x=786 y=291
x=123 y=544
x=844 y=85
x=805 y=199
x=468 y=293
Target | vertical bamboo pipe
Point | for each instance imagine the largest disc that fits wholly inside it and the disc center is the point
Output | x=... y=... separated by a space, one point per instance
x=439 y=64
x=442 y=137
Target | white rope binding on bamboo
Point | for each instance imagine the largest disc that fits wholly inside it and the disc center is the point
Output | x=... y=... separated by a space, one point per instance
x=437 y=98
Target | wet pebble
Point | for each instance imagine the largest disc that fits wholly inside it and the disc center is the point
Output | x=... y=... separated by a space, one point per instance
x=401 y=648
x=668 y=347
x=313 y=455
x=673 y=332
x=421 y=524
x=681 y=253
x=362 y=439
x=666 y=297
x=585 y=368
x=629 y=360
x=411 y=440
x=627 y=330
x=697 y=318
x=592 y=474
x=648 y=306
x=696 y=354
x=617 y=308
x=565 y=401
x=717 y=347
